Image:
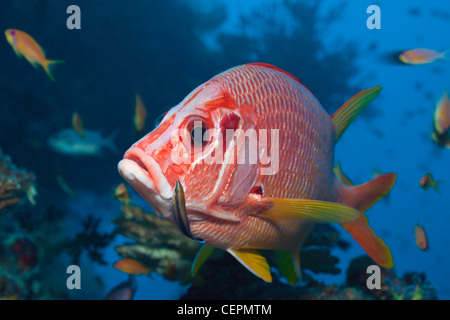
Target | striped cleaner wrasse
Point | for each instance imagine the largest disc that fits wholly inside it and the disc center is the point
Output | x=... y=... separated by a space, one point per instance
x=254 y=151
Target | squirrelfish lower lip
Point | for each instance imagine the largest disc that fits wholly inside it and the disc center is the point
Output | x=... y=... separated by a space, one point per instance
x=146 y=177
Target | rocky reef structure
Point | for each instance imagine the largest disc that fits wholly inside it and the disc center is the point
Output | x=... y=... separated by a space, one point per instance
x=15 y=184
x=36 y=240
x=163 y=249
x=18 y=254
x=159 y=246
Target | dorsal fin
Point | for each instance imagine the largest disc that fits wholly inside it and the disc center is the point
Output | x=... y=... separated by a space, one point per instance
x=267 y=65
x=353 y=107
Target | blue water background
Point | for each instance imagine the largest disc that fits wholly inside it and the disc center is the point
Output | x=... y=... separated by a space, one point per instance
x=404 y=119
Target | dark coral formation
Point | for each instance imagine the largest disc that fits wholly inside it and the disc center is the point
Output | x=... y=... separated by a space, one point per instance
x=159 y=246
x=412 y=286
x=230 y=283
x=164 y=250
x=15 y=184
x=89 y=240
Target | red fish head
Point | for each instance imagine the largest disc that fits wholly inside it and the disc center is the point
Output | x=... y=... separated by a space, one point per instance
x=191 y=145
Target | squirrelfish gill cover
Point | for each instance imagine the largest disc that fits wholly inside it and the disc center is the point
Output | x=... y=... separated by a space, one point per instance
x=244 y=196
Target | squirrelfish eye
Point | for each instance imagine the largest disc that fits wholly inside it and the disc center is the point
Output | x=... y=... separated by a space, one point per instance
x=197 y=133
x=13 y=32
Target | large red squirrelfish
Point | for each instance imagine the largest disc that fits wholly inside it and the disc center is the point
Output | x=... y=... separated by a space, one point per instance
x=254 y=150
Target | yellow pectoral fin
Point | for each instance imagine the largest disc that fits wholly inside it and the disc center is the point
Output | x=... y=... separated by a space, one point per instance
x=203 y=254
x=311 y=210
x=254 y=262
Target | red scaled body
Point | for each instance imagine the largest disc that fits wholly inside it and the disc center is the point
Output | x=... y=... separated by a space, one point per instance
x=280 y=154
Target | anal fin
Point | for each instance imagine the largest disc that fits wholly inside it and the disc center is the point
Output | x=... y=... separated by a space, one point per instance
x=289 y=265
x=253 y=261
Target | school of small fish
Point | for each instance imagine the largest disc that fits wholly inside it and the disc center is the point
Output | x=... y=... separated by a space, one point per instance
x=231 y=205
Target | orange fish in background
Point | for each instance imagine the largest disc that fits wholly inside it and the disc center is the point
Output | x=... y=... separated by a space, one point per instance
x=131 y=266
x=124 y=290
x=77 y=124
x=427 y=181
x=442 y=140
x=140 y=114
x=121 y=193
x=421 y=238
x=442 y=115
x=24 y=45
x=421 y=56
x=271 y=203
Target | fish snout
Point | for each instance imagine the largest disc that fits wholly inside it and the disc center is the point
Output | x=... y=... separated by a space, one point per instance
x=146 y=177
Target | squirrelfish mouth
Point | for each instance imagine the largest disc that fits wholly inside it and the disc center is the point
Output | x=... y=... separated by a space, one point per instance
x=145 y=176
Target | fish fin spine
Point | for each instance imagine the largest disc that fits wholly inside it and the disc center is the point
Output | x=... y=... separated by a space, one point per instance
x=362 y=198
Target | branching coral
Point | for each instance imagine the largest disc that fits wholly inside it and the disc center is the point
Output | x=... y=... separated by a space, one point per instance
x=90 y=240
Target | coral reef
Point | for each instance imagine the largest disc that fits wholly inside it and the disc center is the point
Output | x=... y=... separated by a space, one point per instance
x=412 y=286
x=163 y=249
x=15 y=184
x=159 y=246
x=89 y=240
x=31 y=261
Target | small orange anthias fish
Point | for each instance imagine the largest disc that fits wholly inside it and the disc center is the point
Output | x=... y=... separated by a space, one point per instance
x=124 y=290
x=421 y=238
x=77 y=124
x=253 y=150
x=442 y=140
x=140 y=114
x=24 y=45
x=442 y=115
x=122 y=194
x=421 y=56
x=428 y=181
x=131 y=266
